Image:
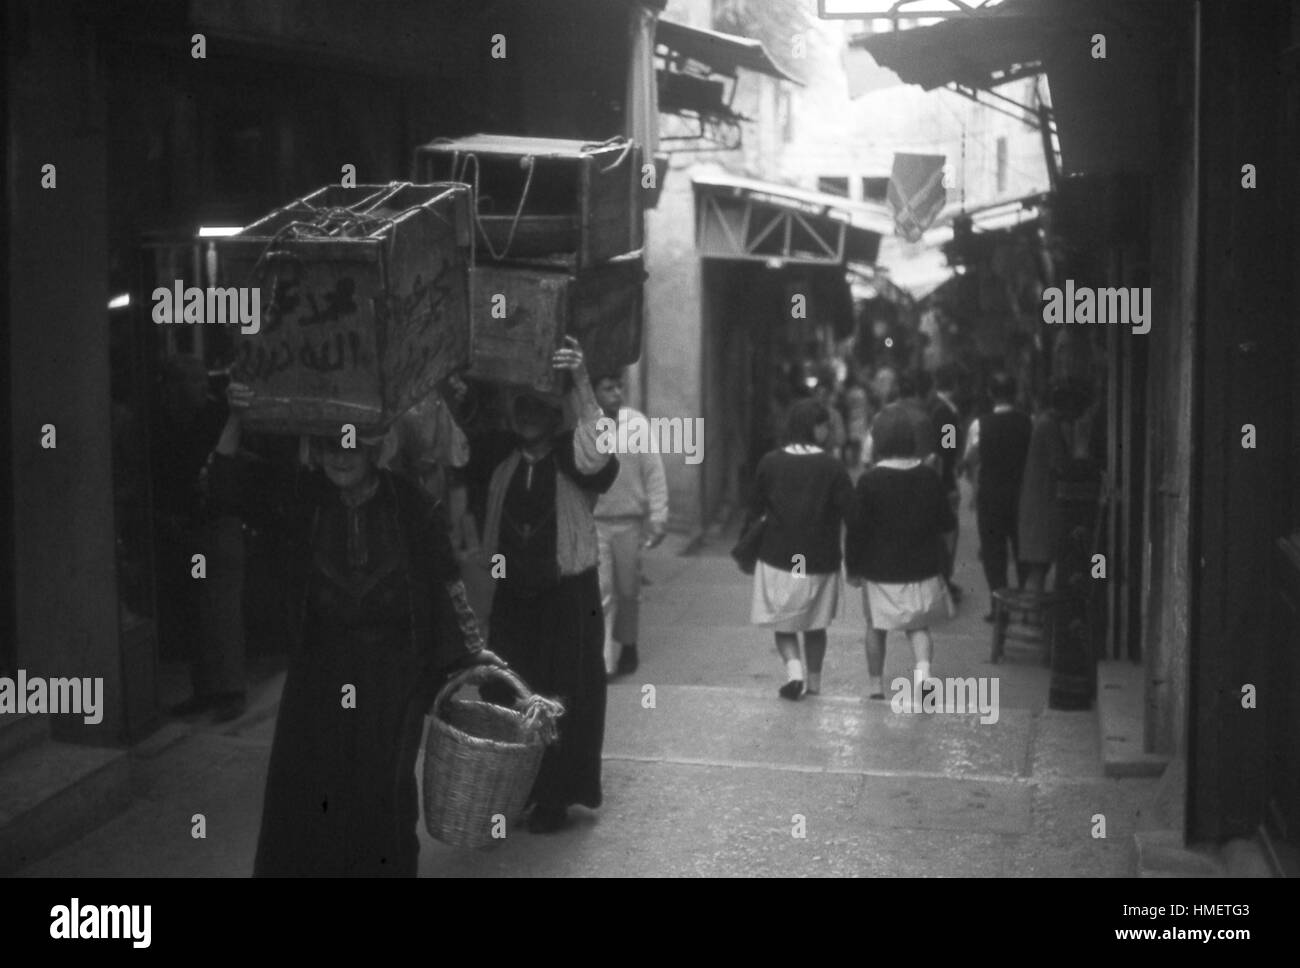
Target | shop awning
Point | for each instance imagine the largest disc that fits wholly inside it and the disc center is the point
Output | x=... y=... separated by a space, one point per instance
x=921 y=267
x=741 y=218
x=722 y=53
x=979 y=51
x=1104 y=108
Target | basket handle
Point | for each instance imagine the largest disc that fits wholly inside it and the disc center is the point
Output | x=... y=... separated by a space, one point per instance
x=476 y=676
x=539 y=712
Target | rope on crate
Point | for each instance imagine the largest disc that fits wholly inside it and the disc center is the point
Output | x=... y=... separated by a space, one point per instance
x=622 y=156
x=333 y=222
x=519 y=212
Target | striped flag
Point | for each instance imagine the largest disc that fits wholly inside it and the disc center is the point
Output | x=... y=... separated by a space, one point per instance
x=916 y=193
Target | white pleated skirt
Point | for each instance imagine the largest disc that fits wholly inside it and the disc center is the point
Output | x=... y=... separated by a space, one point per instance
x=906 y=605
x=783 y=602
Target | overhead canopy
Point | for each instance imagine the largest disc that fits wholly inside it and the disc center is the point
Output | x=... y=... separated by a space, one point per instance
x=979 y=52
x=1105 y=107
x=920 y=268
x=894 y=9
x=866 y=215
x=509 y=144
x=723 y=53
x=741 y=218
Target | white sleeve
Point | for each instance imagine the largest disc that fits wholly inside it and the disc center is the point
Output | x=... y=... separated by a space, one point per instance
x=587 y=455
x=973 y=438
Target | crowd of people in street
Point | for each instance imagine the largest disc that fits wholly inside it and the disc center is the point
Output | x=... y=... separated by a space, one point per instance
x=487 y=526
x=865 y=487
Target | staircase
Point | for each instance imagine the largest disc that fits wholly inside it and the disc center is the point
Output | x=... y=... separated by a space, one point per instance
x=51 y=793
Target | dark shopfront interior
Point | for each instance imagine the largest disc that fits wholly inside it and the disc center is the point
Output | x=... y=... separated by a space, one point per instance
x=756 y=346
x=152 y=143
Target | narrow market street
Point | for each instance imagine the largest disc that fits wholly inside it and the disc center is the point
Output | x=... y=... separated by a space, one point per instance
x=713 y=779
x=350 y=350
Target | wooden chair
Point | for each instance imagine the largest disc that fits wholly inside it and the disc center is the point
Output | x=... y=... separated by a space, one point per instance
x=1028 y=611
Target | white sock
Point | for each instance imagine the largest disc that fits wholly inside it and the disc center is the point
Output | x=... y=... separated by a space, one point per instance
x=875 y=685
x=921 y=673
x=814 y=682
x=793 y=669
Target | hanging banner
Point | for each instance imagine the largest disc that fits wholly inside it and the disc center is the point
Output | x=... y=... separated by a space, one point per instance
x=916 y=193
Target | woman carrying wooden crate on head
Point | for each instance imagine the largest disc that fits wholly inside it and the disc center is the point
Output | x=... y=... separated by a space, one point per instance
x=539 y=538
x=382 y=620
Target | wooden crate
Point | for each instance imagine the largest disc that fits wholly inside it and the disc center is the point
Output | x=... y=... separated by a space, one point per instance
x=601 y=307
x=357 y=325
x=580 y=207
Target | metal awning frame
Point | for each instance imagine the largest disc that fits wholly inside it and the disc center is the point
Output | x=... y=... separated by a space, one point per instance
x=964 y=8
x=710 y=130
x=1029 y=117
x=1040 y=116
x=768 y=220
x=723 y=54
x=712 y=133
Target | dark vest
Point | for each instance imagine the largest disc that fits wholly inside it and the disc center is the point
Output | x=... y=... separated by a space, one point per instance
x=1003 y=446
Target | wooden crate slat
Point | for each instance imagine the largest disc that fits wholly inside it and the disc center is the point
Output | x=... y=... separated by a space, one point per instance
x=601 y=307
x=354 y=330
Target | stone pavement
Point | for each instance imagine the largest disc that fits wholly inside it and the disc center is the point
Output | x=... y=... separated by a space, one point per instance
x=712 y=780
x=721 y=776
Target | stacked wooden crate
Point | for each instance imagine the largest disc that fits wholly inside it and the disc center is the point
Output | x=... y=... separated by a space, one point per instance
x=557 y=251
x=365 y=304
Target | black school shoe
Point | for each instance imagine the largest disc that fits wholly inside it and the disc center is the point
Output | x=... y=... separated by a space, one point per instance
x=791 y=690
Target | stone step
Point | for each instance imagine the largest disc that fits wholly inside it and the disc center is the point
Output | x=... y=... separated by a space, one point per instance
x=1162 y=853
x=52 y=793
x=20 y=731
x=1120 y=719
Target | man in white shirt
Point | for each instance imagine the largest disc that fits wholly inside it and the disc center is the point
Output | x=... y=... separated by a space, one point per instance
x=630 y=516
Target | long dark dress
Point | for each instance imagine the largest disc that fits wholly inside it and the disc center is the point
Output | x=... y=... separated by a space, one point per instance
x=377 y=624
x=551 y=629
x=1039 y=515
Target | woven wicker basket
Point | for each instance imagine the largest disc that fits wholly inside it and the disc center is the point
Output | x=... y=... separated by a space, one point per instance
x=480 y=760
